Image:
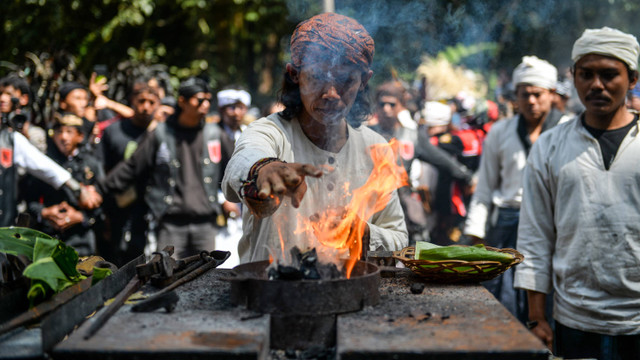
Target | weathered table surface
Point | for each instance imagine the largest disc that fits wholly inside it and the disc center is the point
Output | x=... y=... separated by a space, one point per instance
x=443 y=322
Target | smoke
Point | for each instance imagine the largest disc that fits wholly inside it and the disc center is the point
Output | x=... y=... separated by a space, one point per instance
x=404 y=31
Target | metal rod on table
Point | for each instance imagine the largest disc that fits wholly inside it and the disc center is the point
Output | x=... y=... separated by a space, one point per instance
x=102 y=318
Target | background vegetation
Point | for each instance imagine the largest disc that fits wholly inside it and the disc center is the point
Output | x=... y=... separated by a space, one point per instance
x=246 y=41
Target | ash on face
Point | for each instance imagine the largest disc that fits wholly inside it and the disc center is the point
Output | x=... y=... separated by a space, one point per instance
x=305 y=266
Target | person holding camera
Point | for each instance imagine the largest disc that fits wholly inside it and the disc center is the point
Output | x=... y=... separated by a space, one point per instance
x=17 y=152
x=15 y=102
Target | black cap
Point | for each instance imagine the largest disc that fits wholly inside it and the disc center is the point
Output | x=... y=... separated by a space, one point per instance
x=192 y=86
x=68 y=87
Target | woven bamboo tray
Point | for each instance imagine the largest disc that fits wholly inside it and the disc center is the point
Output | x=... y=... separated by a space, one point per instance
x=456 y=271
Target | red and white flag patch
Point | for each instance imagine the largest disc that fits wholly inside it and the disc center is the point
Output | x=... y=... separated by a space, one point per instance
x=6 y=157
x=215 y=150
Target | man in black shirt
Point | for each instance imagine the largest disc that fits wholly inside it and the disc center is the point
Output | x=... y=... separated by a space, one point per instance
x=127 y=235
x=179 y=162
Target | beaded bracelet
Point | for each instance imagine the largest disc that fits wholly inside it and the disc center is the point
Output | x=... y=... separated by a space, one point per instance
x=249 y=187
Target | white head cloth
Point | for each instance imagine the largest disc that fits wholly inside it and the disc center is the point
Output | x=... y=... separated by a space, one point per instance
x=436 y=113
x=231 y=96
x=536 y=72
x=607 y=42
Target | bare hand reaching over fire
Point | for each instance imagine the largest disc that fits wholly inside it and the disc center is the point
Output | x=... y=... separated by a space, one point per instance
x=277 y=179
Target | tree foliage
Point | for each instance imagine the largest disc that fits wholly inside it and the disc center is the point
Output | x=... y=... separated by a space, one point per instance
x=245 y=41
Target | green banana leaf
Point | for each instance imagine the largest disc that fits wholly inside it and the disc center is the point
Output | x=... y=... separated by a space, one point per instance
x=99 y=274
x=54 y=263
x=20 y=241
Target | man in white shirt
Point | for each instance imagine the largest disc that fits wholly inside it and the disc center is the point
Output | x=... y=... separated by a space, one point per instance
x=494 y=209
x=276 y=168
x=580 y=223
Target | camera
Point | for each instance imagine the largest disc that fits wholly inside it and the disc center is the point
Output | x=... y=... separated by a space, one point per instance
x=14 y=119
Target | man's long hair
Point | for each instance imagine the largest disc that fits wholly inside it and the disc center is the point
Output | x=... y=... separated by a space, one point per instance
x=290 y=98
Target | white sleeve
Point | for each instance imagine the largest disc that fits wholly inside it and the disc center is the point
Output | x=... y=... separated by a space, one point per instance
x=488 y=181
x=38 y=164
x=536 y=230
x=259 y=140
x=387 y=229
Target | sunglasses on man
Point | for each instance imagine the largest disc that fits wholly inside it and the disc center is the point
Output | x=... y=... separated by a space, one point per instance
x=201 y=100
x=383 y=103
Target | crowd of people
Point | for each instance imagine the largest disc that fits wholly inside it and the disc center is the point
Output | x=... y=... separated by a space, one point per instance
x=520 y=171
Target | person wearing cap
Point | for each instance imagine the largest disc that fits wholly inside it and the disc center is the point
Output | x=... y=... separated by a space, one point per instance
x=126 y=211
x=446 y=202
x=579 y=228
x=56 y=211
x=75 y=98
x=561 y=97
x=276 y=168
x=233 y=104
x=179 y=163
x=633 y=98
x=499 y=189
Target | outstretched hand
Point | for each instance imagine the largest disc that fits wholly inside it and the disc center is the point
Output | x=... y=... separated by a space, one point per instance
x=277 y=180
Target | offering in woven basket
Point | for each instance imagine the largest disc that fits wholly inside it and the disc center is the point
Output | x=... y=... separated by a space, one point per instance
x=458 y=263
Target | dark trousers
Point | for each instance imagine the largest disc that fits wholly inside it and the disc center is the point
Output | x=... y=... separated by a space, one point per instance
x=188 y=235
x=504 y=235
x=576 y=344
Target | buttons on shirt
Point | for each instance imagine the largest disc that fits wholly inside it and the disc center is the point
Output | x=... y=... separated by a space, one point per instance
x=175 y=163
x=168 y=199
x=172 y=182
x=330 y=186
x=207 y=161
x=212 y=198
x=331 y=160
x=207 y=180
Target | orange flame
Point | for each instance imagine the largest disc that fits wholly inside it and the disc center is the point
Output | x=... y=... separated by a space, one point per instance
x=343 y=228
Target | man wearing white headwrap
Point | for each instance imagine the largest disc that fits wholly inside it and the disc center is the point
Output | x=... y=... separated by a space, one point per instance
x=580 y=221
x=495 y=205
x=447 y=207
x=233 y=104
